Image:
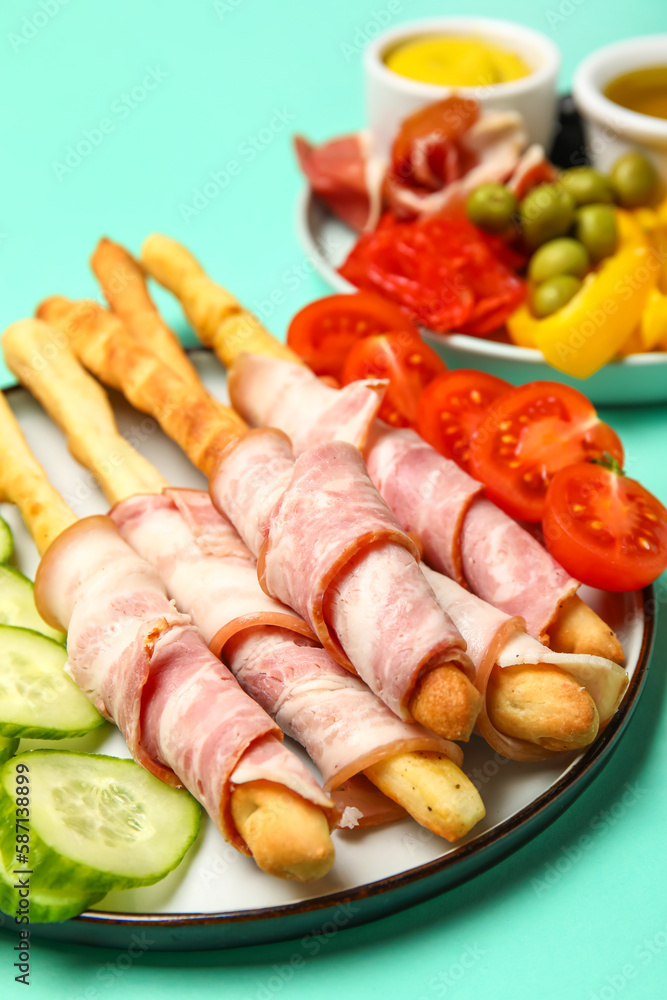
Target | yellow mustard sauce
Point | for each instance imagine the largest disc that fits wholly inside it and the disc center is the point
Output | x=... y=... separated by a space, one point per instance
x=453 y=61
x=643 y=91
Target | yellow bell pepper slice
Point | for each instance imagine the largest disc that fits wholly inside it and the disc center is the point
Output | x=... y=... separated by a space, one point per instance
x=653 y=326
x=595 y=324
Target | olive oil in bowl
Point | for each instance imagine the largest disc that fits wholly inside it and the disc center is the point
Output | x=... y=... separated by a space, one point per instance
x=643 y=91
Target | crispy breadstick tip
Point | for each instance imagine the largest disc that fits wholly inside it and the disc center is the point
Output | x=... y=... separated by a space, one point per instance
x=445 y=702
x=288 y=837
x=578 y=629
x=543 y=705
x=430 y=786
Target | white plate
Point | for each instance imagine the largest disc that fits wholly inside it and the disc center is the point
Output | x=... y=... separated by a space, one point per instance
x=639 y=378
x=218 y=898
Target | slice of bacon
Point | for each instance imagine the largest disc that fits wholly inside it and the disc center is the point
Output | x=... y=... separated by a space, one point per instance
x=147 y=668
x=328 y=546
x=462 y=533
x=342 y=725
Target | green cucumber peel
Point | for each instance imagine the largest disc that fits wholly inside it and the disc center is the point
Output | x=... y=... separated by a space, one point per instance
x=38 y=700
x=96 y=823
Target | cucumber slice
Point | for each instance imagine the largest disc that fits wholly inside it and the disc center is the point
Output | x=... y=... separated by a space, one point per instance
x=37 y=698
x=17 y=604
x=96 y=823
x=8 y=748
x=46 y=905
x=6 y=541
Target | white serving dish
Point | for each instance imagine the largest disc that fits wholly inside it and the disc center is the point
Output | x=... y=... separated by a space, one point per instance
x=218 y=898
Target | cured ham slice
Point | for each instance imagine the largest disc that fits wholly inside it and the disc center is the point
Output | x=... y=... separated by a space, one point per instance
x=494 y=637
x=345 y=175
x=340 y=722
x=463 y=535
x=146 y=668
x=328 y=546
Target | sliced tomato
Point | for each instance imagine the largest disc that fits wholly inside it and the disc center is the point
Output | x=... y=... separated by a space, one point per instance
x=529 y=434
x=323 y=332
x=605 y=529
x=452 y=407
x=405 y=360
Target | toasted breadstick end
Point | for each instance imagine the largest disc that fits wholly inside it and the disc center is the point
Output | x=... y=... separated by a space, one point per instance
x=543 y=705
x=578 y=629
x=80 y=407
x=200 y=424
x=124 y=285
x=217 y=317
x=287 y=836
x=23 y=482
x=445 y=702
x=430 y=786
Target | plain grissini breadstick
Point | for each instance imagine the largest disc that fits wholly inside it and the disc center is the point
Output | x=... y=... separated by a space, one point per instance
x=443 y=700
x=446 y=802
x=544 y=706
x=124 y=286
x=219 y=319
x=266 y=815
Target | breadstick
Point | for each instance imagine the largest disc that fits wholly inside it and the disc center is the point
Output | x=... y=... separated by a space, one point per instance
x=445 y=801
x=124 y=286
x=187 y=413
x=203 y=428
x=578 y=629
x=72 y=398
x=216 y=316
x=266 y=812
x=23 y=482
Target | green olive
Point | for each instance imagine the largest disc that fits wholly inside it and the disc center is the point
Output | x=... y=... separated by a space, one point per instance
x=491 y=207
x=554 y=293
x=596 y=229
x=546 y=212
x=587 y=185
x=633 y=178
x=561 y=256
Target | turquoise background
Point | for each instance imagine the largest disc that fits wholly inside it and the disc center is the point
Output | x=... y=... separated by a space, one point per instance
x=222 y=73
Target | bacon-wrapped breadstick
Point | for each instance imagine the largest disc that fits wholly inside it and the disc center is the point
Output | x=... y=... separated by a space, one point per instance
x=419 y=668
x=208 y=571
x=145 y=667
x=516 y=574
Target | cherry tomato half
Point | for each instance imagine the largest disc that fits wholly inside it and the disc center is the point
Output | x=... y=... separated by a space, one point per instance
x=530 y=433
x=323 y=332
x=604 y=528
x=453 y=406
x=406 y=361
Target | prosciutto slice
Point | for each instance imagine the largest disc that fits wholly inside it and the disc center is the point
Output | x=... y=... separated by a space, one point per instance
x=146 y=668
x=462 y=534
x=328 y=546
x=339 y=721
x=494 y=637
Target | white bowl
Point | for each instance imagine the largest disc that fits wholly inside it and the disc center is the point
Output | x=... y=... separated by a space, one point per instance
x=391 y=97
x=610 y=129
